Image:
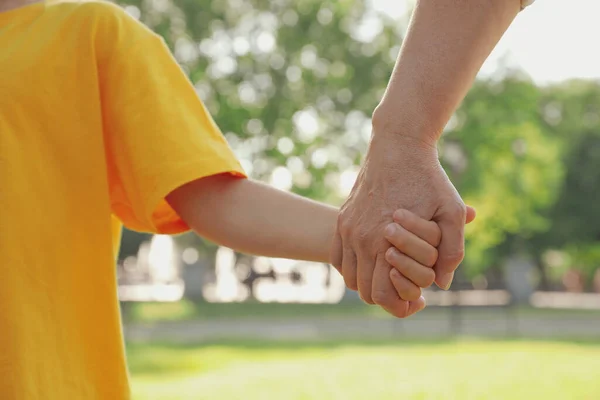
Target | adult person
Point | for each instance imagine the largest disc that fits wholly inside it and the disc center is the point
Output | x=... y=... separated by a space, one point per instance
x=446 y=44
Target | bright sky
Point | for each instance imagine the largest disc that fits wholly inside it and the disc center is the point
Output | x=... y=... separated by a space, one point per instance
x=552 y=40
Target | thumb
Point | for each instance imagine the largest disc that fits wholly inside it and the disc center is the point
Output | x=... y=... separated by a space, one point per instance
x=335 y=252
x=471 y=214
x=451 y=249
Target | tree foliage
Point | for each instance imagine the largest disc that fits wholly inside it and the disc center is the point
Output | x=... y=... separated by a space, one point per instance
x=293 y=83
x=504 y=164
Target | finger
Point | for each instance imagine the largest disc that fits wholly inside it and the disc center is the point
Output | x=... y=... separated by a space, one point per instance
x=429 y=231
x=405 y=288
x=349 y=268
x=416 y=306
x=418 y=274
x=364 y=277
x=452 y=246
x=336 y=252
x=384 y=293
x=471 y=214
x=411 y=245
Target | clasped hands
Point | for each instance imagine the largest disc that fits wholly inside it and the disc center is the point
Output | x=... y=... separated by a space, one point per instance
x=402 y=227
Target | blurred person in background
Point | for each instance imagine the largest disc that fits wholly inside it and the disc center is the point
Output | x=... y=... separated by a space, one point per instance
x=99 y=127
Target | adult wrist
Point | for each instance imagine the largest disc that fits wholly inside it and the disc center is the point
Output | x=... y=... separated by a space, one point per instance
x=395 y=124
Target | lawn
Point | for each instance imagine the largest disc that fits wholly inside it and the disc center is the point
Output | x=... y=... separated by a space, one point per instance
x=464 y=369
x=186 y=310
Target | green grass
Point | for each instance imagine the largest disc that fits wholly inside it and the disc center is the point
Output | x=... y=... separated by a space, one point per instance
x=462 y=370
x=186 y=310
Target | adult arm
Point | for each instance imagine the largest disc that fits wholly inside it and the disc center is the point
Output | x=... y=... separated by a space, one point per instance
x=446 y=44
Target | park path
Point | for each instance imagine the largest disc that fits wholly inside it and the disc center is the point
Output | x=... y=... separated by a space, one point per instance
x=493 y=323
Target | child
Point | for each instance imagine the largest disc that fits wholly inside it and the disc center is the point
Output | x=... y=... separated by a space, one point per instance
x=99 y=127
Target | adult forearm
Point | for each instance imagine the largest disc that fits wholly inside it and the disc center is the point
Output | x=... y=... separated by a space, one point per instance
x=446 y=44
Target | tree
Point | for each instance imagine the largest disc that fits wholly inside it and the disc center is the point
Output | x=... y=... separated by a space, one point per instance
x=504 y=164
x=292 y=84
x=572 y=110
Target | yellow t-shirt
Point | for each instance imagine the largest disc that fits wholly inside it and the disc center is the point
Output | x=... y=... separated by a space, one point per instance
x=97 y=125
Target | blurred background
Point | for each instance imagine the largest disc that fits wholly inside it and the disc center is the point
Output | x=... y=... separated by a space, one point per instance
x=292 y=84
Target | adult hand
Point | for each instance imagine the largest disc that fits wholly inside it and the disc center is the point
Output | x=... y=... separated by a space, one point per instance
x=445 y=46
x=398 y=172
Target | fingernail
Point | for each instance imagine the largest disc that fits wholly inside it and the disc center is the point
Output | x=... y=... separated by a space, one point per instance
x=423 y=302
x=398 y=214
x=390 y=253
x=390 y=229
x=445 y=281
x=395 y=273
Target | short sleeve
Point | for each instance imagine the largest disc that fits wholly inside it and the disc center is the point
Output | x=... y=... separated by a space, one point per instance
x=158 y=133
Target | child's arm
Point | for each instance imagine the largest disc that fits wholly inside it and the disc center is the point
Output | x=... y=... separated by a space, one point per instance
x=254 y=218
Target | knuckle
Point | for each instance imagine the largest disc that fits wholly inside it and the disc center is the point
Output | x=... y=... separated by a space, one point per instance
x=345 y=228
x=344 y=223
x=366 y=298
x=453 y=258
x=400 y=238
x=458 y=210
x=457 y=203
x=363 y=246
x=411 y=294
x=362 y=234
x=432 y=258
x=380 y=297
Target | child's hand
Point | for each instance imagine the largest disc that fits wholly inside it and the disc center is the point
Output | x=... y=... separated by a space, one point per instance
x=414 y=253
